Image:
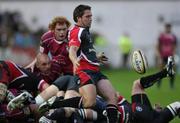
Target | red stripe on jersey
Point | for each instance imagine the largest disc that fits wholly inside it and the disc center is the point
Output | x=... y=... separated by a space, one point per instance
x=74 y=36
x=133 y=107
x=84 y=65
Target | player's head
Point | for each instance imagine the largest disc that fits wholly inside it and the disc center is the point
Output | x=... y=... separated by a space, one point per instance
x=168 y=27
x=3 y=90
x=59 y=25
x=82 y=15
x=43 y=63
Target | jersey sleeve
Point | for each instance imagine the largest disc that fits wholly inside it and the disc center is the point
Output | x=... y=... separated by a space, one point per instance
x=75 y=37
x=46 y=37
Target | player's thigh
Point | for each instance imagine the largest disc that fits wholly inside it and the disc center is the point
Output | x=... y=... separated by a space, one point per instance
x=88 y=92
x=106 y=90
x=49 y=92
x=60 y=94
x=137 y=88
x=71 y=93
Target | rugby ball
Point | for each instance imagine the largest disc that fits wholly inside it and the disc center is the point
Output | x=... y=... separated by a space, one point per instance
x=139 y=62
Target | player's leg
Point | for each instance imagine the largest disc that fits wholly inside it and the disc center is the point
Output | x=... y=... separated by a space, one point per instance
x=106 y=90
x=162 y=64
x=151 y=79
x=41 y=98
x=87 y=99
x=169 y=113
x=44 y=95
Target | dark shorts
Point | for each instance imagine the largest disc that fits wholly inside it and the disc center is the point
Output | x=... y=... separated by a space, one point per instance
x=90 y=77
x=66 y=82
x=144 y=113
x=141 y=108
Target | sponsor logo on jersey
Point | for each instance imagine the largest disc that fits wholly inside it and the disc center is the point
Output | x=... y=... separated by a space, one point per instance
x=138 y=108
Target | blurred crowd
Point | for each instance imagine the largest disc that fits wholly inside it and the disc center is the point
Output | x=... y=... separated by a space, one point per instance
x=17 y=41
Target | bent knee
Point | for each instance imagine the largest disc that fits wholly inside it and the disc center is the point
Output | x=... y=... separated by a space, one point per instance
x=137 y=88
x=137 y=84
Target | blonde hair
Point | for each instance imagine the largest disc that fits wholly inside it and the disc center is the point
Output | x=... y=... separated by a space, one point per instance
x=60 y=20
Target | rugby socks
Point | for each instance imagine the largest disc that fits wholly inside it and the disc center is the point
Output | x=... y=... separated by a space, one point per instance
x=39 y=100
x=167 y=115
x=82 y=112
x=112 y=113
x=151 y=79
x=171 y=111
x=75 y=102
x=57 y=114
x=174 y=108
x=59 y=98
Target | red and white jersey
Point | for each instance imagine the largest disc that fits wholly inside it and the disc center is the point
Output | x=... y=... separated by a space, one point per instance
x=124 y=108
x=59 y=51
x=81 y=38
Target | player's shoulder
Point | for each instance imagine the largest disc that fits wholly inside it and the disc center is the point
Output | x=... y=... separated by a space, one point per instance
x=76 y=29
x=47 y=36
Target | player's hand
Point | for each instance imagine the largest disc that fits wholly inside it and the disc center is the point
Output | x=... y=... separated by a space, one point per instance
x=158 y=107
x=102 y=58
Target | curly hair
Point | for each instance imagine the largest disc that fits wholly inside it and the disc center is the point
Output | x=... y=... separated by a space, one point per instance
x=60 y=20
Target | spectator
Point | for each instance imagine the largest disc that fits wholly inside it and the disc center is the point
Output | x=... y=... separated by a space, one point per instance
x=125 y=45
x=167 y=44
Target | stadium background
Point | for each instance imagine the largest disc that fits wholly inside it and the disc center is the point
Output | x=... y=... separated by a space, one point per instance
x=142 y=19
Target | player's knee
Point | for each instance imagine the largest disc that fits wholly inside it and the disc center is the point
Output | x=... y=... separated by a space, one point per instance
x=136 y=84
x=113 y=99
x=88 y=102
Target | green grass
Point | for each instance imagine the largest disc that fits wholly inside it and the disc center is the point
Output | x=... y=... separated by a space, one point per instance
x=122 y=80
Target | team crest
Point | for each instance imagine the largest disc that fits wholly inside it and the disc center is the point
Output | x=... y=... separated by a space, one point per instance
x=138 y=108
x=78 y=81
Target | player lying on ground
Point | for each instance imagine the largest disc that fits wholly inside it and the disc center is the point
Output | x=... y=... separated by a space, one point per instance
x=140 y=110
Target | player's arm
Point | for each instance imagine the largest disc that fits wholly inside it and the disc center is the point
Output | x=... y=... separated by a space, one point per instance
x=31 y=65
x=73 y=56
